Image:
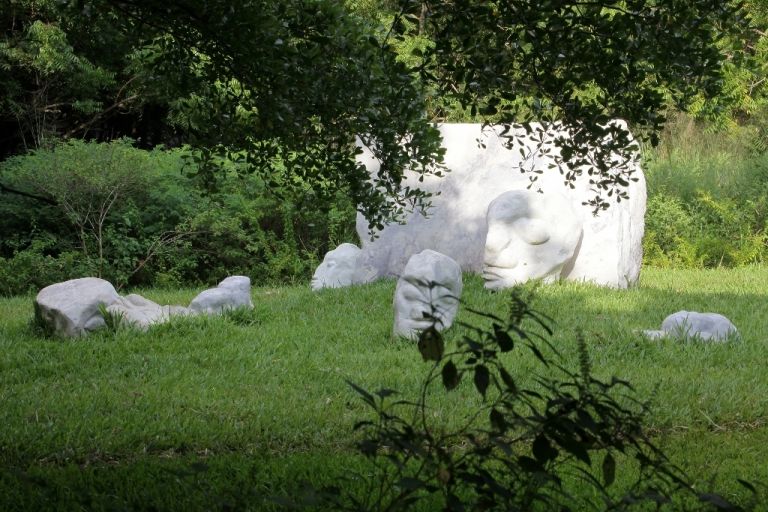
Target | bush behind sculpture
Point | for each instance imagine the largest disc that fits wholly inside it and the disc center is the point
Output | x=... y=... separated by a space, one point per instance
x=707 y=198
x=159 y=229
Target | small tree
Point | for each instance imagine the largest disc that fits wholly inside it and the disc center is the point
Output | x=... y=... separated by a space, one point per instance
x=86 y=181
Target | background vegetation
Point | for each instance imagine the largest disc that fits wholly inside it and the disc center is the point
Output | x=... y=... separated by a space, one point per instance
x=146 y=209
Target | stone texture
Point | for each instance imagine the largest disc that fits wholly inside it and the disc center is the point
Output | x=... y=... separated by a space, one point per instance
x=341 y=267
x=233 y=292
x=610 y=250
x=71 y=308
x=141 y=313
x=530 y=236
x=705 y=326
x=429 y=288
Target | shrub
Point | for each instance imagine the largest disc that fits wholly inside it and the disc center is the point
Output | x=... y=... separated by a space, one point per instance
x=708 y=194
x=109 y=202
x=135 y=217
x=31 y=269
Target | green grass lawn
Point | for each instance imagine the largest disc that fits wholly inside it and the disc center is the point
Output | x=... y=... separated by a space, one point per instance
x=123 y=419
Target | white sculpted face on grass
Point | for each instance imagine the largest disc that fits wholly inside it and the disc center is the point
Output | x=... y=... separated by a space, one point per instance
x=341 y=267
x=530 y=236
x=428 y=290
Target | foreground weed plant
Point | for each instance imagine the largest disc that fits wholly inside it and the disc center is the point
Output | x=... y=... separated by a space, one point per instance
x=559 y=447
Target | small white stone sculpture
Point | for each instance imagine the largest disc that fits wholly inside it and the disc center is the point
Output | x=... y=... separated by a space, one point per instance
x=530 y=236
x=71 y=308
x=691 y=324
x=141 y=313
x=233 y=292
x=427 y=294
x=341 y=267
x=482 y=167
x=707 y=326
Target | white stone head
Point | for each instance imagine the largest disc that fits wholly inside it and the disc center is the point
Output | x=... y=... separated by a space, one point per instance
x=340 y=267
x=427 y=293
x=530 y=236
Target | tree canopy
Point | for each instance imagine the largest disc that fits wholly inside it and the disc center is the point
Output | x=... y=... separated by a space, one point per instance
x=282 y=87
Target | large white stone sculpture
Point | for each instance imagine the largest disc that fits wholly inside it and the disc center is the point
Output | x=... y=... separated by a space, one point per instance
x=427 y=293
x=71 y=308
x=482 y=167
x=142 y=313
x=233 y=292
x=341 y=267
x=530 y=236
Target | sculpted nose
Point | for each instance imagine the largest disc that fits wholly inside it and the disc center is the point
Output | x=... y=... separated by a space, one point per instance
x=493 y=241
x=496 y=242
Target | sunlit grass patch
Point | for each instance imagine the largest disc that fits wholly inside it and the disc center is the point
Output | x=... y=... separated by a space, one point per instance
x=268 y=385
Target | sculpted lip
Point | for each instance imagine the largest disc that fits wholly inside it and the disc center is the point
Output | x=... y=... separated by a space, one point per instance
x=493 y=272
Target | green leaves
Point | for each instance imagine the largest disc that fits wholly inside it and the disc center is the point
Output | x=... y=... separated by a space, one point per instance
x=241 y=94
x=53 y=79
x=482 y=378
x=515 y=61
x=450 y=376
x=431 y=344
x=522 y=449
x=609 y=469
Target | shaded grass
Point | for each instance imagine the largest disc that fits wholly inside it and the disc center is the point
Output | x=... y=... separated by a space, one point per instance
x=261 y=398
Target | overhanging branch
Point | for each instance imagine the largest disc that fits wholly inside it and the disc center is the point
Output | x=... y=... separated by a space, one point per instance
x=9 y=190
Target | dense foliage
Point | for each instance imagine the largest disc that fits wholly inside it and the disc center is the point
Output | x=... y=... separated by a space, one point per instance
x=135 y=217
x=63 y=77
x=268 y=96
x=579 y=64
x=707 y=197
x=283 y=88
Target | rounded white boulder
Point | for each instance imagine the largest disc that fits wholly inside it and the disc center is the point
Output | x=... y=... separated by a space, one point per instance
x=705 y=326
x=232 y=293
x=72 y=308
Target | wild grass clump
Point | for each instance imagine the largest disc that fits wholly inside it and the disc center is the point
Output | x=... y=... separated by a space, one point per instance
x=707 y=198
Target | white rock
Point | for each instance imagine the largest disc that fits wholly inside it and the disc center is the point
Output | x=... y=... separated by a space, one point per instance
x=530 y=236
x=705 y=326
x=233 y=292
x=427 y=293
x=609 y=253
x=341 y=267
x=71 y=308
x=141 y=313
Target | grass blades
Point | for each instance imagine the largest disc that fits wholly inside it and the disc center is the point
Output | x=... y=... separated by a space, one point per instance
x=260 y=397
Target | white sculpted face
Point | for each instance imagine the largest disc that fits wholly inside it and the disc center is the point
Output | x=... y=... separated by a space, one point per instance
x=340 y=267
x=530 y=236
x=429 y=289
